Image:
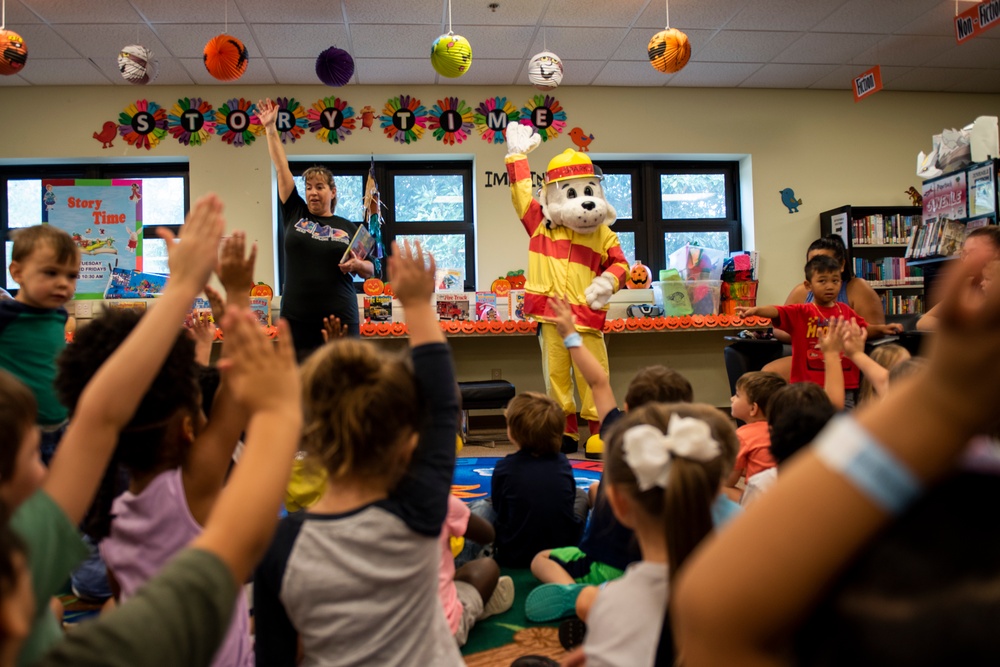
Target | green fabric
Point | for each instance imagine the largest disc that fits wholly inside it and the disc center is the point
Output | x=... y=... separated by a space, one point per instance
x=499 y=630
x=599 y=572
x=54 y=550
x=179 y=618
x=29 y=346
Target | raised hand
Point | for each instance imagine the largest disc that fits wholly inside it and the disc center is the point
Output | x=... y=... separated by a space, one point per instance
x=235 y=269
x=333 y=329
x=267 y=112
x=521 y=139
x=411 y=273
x=261 y=373
x=832 y=340
x=854 y=338
x=193 y=254
x=564 y=316
x=217 y=303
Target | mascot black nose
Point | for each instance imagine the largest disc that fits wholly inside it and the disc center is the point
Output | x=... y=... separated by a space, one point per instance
x=588 y=205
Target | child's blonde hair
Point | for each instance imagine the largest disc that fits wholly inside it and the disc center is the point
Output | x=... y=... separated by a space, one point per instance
x=886 y=356
x=684 y=506
x=536 y=423
x=360 y=405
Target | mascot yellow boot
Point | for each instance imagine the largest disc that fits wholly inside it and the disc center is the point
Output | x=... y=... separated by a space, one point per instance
x=572 y=253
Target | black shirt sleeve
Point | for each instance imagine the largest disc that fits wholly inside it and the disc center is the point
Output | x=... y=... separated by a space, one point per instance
x=277 y=641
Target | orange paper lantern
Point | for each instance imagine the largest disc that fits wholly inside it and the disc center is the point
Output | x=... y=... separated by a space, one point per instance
x=669 y=51
x=13 y=52
x=226 y=57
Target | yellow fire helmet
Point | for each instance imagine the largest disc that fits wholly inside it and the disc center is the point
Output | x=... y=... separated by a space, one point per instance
x=571 y=164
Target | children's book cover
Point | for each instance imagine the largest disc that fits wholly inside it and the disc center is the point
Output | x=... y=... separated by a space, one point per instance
x=378 y=308
x=362 y=244
x=486 y=307
x=516 y=309
x=452 y=307
x=117 y=287
x=202 y=309
x=261 y=308
x=448 y=280
x=146 y=285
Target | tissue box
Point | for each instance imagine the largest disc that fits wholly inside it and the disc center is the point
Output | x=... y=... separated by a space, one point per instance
x=697 y=263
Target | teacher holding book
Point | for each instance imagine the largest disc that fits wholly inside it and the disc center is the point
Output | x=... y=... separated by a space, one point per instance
x=318 y=261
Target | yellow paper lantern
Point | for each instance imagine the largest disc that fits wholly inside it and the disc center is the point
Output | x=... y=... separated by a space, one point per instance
x=451 y=55
x=669 y=50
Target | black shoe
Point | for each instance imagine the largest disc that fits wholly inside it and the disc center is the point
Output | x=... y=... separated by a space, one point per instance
x=534 y=661
x=569 y=445
x=571 y=633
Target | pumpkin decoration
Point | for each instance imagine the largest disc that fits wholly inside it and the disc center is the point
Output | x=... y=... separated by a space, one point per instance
x=468 y=327
x=646 y=323
x=618 y=325
x=659 y=323
x=496 y=326
x=500 y=286
x=368 y=329
x=685 y=321
x=723 y=320
x=698 y=320
x=673 y=322
x=453 y=327
x=262 y=289
x=387 y=290
x=516 y=279
x=398 y=329
x=510 y=326
x=524 y=326
x=607 y=326
x=374 y=287
x=639 y=277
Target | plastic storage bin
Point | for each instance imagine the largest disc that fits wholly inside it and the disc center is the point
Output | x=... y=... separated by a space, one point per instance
x=689 y=297
x=697 y=263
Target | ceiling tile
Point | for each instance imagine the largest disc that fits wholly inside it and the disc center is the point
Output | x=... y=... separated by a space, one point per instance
x=300 y=11
x=619 y=14
x=842 y=78
x=487 y=72
x=939 y=21
x=686 y=14
x=931 y=79
x=829 y=48
x=43 y=42
x=423 y=12
x=636 y=44
x=732 y=46
x=381 y=42
x=713 y=75
x=977 y=53
x=783 y=14
x=787 y=76
x=497 y=42
x=18 y=14
x=13 y=80
x=104 y=42
x=257 y=73
x=170 y=73
x=390 y=71
x=186 y=11
x=907 y=50
x=880 y=16
x=580 y=43
x=296 y=71
x=92 y=11
x=189 y=40
x=981 y=82
x=510 y=12
x=64 y=72
x=619 y=73
x=296 y=40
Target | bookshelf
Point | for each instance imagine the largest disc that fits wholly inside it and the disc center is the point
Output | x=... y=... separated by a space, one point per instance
x=876 y=238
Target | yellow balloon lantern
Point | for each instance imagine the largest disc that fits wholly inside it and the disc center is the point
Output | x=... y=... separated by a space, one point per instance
x=451 y=55
x=669 y=50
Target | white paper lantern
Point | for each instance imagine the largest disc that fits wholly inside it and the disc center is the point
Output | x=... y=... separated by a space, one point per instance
x=137 y=65
x=545 y=71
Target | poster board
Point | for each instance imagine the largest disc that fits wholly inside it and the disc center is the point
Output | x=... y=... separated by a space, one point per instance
x=104 y=217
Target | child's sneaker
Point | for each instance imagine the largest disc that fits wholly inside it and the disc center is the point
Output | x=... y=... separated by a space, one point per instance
x=550 y=602
x=501 y=600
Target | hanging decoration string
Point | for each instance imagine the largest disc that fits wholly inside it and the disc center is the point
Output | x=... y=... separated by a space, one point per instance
x=3 y=17
x=225 y=4
x=450 y=32
x=545 y=38
x=667 y=2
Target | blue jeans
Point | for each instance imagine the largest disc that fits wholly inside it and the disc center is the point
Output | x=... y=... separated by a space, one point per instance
x=90 y=580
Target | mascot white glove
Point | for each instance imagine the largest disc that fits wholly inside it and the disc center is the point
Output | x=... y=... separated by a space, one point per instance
x=521 y=139
x=600 y=290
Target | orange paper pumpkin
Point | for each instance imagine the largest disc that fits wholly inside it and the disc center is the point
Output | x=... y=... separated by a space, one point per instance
x=368 y=329
x=711 y=321
x=482 y=327
x=500 y=287
x=724 y=320
x=453 y=327
x=383 y=328
x=516 y=279
x=685 y=321
x=646 y=323
x=496 y=326
x=226 y=57
x=262 y=289
x=468 y=327
x=374 y=287
x=673 y=322
x=387 y=290
x=698 y=320
x=398 y=329
x=659 y=323
x=632 y=324
x=639 y=277
x=524 y=326
x=618 y=325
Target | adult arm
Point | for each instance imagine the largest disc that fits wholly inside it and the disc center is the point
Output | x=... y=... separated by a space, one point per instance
x=267 y=112
x=807 y=528
x=929 y=321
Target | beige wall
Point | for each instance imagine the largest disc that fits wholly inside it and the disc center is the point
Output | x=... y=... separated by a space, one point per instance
x=831 y=150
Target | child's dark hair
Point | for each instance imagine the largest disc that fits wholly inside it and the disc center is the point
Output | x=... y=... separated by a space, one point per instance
x=760 y=387
x=658 y=384
x=11 y=546
x=798 y=412
x=536 y=423
x=148 y=440
x=834 y=244
x=28 y=239
x=924 y=591
x=18 y=411
x=359 y=405
x=822 y=264
x=685 y=505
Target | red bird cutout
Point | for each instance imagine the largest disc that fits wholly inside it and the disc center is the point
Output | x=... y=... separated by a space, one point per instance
x=107 y=134
x=581 y=139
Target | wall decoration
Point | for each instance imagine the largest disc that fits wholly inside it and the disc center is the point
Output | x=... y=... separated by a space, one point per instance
x=107 y=134
x=331 y=119
x=669 y=50
x=451 y=121
x=291 y=121
x=581 y=139
x=137 y=64
x=789 y=200
x=451 y=55
x=13 y=52
x=143 y=124
x=404 y=119
x=238 y=124
x=545 y=70
x=104 y=218
x=191 y=121
x=368 y=116
x=335 y=67
x=545 y=114
x=491 y=118
x=226 y=57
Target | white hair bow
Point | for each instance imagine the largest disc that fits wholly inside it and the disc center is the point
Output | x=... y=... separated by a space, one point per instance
x=648 y=451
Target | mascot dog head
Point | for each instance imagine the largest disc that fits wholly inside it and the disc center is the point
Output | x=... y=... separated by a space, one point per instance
x=572 y=195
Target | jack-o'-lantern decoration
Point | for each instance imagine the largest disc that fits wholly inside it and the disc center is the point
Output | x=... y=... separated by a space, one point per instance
x=639 y=277
x=500 y=287
x=262 y=289
x=13 y=52
x=374 y=287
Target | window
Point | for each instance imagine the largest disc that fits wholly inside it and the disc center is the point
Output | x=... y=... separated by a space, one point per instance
x=664 y=205
x=426 y=202
x=165 y=191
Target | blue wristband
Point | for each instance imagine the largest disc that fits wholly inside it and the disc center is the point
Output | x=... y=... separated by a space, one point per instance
x=573 y=340
x=848 y=449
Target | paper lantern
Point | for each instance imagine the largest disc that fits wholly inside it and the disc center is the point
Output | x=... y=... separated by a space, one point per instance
x=226 y=57
x=545 y=70
x=451 y=55
x=13 y=52
x=335 y=67
x=137 y=65
x=669 y=50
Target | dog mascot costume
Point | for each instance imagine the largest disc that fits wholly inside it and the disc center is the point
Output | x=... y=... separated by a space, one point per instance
x=573 y=254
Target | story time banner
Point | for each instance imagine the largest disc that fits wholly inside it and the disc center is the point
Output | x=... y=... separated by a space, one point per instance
x=104 y=217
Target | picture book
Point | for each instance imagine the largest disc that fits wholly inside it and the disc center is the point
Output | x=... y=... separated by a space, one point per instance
x=516 y=308
x=146 y=285
x=361 y=244
x=982 y=190
x=131 y=304
x=448 y=280
x=261 y=308
x=452 y=307
x=378 y=308
x=202 y=309
x=486 y=307
x=118 y=285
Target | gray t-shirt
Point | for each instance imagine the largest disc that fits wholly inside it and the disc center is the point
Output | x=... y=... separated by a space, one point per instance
x=624 y=624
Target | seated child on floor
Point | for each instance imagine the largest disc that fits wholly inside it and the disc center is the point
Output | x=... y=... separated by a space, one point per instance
x=796 y=415
x=535 y=500
x=750 y=404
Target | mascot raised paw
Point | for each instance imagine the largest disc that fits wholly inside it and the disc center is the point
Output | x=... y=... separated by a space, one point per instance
x=572 y=254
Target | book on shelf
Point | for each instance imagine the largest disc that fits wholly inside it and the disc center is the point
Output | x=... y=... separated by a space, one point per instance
x=486 y=307
x=888 y=272
x=453 y=306
x=881 y=229
x=906 y=303
x=937 y=237
x=378 y=308
x=260 y=306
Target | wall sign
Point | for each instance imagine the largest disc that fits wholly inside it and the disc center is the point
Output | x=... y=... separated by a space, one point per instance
x=451 y=121
x=404 y=119
x=331 y=119
x=546 y=115
x=491 y=119
x=238 y=124
x=868 y=83
x=143 y=124
x=191 y=121
x=290 y=121
x=976 y=20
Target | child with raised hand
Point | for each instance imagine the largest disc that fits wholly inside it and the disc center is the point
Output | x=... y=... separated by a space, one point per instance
x=840 y=495
x=874 y=368
x=353 y=580
x=45 y=514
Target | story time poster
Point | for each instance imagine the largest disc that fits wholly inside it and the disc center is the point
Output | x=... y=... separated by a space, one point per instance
x=104 y=217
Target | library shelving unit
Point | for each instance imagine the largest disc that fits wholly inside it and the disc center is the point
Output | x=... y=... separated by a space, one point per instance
x=876 y=238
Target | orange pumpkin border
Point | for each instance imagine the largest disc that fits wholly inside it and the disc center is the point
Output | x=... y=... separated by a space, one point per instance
x=617 y=325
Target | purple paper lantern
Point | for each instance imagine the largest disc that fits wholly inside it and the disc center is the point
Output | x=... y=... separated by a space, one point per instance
x=335 y=67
